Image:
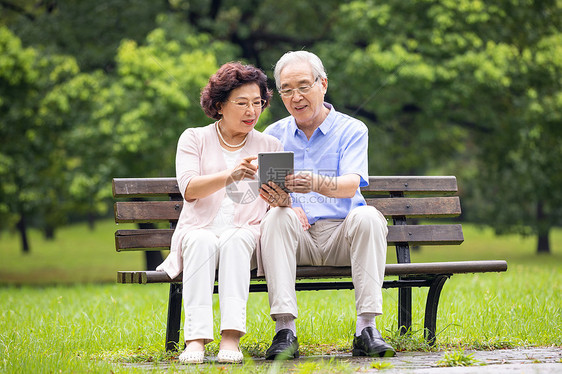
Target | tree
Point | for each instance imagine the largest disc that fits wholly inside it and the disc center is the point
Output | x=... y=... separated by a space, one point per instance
x=462 y=87
x=467 y=81
x=127 y=124
x=29 y=167
x=261 y=30
x=520 y=158
x=90 y=31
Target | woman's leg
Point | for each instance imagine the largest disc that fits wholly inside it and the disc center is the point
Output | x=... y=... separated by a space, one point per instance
x=236 y=247
x=199 y=252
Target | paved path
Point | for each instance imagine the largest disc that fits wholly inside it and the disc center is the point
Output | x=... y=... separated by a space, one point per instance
x=520 y=360
x=542 y=360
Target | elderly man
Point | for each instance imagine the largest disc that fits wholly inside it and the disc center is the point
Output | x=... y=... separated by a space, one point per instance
x=325 y=221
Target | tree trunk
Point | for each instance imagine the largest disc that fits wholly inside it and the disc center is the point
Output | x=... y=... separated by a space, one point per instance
x=91 y=221
x=22 y=228
x=543 y=246
x=49 y=232
x=543 y=243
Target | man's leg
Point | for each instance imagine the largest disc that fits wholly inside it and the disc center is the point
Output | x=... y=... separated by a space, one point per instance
x=360 y=241
x=279 y=239
x=282 y=242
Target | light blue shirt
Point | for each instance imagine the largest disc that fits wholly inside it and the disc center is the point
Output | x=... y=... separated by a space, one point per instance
x=337 y=147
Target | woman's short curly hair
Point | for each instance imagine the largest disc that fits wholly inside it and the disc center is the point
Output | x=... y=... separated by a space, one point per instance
x=229 y=77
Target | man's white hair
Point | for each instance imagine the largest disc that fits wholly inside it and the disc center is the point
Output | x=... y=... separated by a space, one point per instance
x=299 y=56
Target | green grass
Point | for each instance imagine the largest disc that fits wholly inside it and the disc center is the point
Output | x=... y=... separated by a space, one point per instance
x=80 y=327
x=458 y=358
x=77 y=255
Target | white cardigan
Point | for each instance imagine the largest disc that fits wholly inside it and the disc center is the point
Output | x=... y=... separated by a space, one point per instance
x=199 y=153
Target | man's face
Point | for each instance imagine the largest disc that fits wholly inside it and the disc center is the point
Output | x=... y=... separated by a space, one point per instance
x=305 y=108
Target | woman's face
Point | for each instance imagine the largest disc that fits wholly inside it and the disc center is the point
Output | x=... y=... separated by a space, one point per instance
x=241 y=111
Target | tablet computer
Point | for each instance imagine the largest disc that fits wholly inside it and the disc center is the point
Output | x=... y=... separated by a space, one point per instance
x=275 y=166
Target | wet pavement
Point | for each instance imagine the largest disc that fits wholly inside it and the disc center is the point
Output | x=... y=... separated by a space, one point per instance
x=520 y=360
x=543 y=360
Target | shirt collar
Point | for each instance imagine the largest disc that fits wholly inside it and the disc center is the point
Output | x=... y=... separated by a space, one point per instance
x=324 y=126
x=329 y=121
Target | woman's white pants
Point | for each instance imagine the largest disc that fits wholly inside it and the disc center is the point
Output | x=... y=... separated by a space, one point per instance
x=203 y=251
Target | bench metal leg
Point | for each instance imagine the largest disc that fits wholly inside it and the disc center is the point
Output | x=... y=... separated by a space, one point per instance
x=174 y=317
x=404 y=310
x=430 y=324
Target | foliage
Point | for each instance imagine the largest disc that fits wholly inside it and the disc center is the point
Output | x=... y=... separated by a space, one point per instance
x=132 y=120
x=66 y=142
x=31 y=157
x=261 y=30
x=464 y=87
x=89 y=31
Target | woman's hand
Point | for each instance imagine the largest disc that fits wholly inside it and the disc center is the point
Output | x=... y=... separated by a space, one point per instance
x=245 y=169
x=274 y=195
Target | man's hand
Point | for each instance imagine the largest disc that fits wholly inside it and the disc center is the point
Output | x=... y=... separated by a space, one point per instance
x=300 y=182
x=343 y=186
x=274 y=195
x=302 y=218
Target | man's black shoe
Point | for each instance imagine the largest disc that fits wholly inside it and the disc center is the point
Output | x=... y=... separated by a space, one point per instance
x=371 y=343
x=284 y=346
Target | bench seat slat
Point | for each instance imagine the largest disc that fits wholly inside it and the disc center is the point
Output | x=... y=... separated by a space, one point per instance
x=318 y=272
x=143 y=187
x=131 y=240
x=155 y=211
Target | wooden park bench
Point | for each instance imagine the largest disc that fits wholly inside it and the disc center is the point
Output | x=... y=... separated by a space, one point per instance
x=401 y=199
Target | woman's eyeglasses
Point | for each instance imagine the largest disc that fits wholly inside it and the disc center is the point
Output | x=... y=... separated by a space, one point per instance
x=245 y=105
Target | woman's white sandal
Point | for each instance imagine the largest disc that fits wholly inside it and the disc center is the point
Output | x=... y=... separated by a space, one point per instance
x=192 y=357
x=229 y=357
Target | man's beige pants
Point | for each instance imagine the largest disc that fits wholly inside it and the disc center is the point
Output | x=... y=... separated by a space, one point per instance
x=359 y=240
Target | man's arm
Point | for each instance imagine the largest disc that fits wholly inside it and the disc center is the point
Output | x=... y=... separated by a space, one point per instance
x=339 y=187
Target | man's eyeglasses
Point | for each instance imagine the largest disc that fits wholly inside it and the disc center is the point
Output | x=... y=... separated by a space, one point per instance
x=244 y=105
x=288 y=92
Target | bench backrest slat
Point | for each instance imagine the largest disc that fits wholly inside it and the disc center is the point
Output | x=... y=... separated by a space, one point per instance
x=134 y=240
x=442 y=185
x=144 y=187
x=154 y=211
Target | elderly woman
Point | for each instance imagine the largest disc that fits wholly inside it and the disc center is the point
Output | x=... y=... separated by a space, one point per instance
x=219 y=225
